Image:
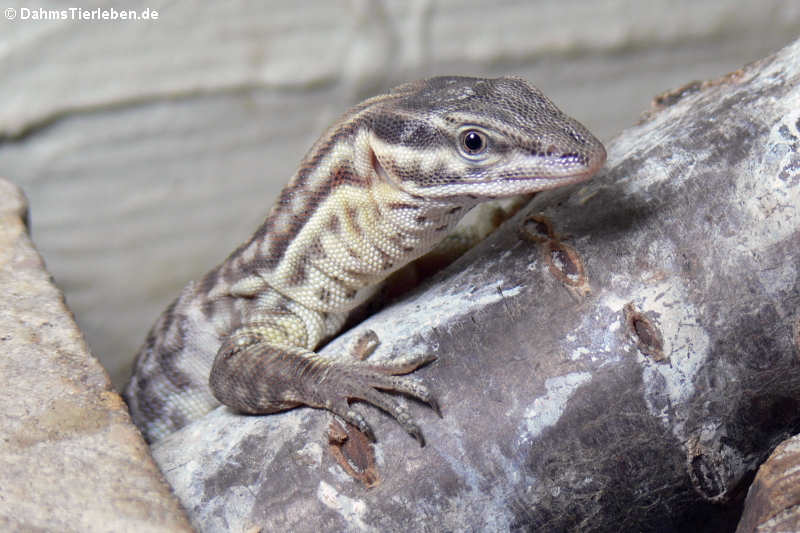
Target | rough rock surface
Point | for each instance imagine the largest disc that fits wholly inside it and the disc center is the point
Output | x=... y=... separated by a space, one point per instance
x=625 y=369
x=70 y=459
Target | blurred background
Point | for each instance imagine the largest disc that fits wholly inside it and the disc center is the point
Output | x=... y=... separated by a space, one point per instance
x=149 y=149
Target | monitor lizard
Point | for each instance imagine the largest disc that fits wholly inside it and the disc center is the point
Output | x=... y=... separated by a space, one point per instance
x=379 y=189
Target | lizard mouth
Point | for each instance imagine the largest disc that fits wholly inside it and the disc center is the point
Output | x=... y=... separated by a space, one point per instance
x=499 y=186
x=587 y=168
x=552 y=181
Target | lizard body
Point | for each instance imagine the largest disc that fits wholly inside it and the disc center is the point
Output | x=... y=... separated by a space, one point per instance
x=380 y=188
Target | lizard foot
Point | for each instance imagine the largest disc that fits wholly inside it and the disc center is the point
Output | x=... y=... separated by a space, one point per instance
x=255 y=376
x=365 y=380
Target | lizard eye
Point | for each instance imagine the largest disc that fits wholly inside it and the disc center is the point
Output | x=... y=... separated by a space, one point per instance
x=473 y=142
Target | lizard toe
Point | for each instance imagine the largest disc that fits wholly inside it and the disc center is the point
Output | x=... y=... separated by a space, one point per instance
x=400 y=365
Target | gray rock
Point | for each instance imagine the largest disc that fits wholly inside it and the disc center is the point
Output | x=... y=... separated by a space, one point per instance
x=70 y=459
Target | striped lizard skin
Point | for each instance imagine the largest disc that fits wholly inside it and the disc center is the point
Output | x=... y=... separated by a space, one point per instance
x=380 y=188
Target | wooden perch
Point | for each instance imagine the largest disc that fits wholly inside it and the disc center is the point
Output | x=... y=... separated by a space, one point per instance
x=773 y=501
x=626 y=367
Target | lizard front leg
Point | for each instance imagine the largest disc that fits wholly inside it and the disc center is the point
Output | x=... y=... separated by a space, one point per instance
x=254 y=374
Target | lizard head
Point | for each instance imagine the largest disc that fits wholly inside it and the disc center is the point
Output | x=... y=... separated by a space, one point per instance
x=451 y=137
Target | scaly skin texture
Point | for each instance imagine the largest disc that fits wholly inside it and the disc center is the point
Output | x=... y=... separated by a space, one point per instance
x=380 y=188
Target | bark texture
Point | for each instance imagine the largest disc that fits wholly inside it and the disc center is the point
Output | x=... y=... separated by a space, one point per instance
x=625 y=368
x=773 y=501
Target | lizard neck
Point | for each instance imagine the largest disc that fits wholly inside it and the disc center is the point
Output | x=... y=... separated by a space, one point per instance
x=387 y=182
x=362 y=228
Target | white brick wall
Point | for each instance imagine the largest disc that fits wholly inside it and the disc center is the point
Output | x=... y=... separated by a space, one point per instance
x=150 y=149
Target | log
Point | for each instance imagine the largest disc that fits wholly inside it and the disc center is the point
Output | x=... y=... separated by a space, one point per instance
x=773 y=501
x=626 y=367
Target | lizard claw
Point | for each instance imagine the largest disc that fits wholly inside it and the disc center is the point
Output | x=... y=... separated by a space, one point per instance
x=416 y=434
x=434 y=404
x=360 y=423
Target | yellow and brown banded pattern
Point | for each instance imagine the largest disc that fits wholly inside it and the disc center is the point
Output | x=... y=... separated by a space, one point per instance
x=380 y=188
